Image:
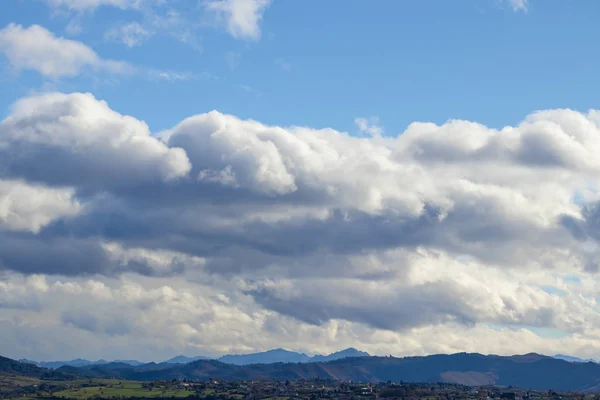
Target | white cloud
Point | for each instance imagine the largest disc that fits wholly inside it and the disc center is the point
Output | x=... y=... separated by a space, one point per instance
x=31 y=207
x=82 y=141
x=131 y=34
x=37 y=49
x=241 y=18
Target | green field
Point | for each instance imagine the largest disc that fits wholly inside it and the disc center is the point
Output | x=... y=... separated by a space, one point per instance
x=112 y=388
x=85 y=388
x=9 y=381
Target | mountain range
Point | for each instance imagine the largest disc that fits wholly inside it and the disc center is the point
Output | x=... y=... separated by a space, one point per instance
x=532 y=371
x=285 y=356
x=573 y=359
x=266 y=357
x=78 y=362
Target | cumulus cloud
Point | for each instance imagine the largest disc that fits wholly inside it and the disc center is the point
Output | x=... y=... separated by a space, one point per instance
x=36 y=48
x=299 y=235
x=241 y=18
x=340 y=193
x=81 y=142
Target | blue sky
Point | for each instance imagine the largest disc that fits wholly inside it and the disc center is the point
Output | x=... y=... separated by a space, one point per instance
x=323 y=64
x=137 y=223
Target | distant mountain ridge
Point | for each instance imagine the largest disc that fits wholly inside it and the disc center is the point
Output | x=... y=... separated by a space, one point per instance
x=349 y=352
x=78 y=362
x=573 y=359
x=184 y=360
x=286 y=356
x=265 y=357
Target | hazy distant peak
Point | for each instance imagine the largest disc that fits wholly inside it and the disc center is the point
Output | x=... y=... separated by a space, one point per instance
x=265 y=357
x=77 y=362
x=180 y=359
x=573 y=359
x=349 y=352
x=287 y=356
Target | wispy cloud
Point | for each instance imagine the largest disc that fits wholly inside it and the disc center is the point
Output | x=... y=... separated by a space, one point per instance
x=74 y=27
x=173 y=23
x=250 y=89
x=35 y=48
x=157 y=17
x=369 y=126
x=130 y=34
x=172 y=76
x=519 y=5
x=241 y=18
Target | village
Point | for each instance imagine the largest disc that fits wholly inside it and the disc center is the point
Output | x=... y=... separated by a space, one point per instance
x=312 y=389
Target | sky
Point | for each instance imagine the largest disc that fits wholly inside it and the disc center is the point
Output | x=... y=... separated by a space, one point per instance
x=229 y=176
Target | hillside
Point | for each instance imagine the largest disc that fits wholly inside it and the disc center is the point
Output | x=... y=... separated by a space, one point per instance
x=531 y=371
x=528 y=371
x=9 y=366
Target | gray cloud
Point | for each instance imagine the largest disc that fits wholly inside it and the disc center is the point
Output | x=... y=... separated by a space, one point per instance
x=309 y=228
x=112 y=326
x=408 y=307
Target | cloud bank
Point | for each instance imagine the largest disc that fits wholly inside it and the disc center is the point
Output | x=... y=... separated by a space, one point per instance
x=473 y=238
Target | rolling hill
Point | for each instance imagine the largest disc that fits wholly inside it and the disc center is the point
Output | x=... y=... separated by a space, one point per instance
x=9 y=366
x=531 y=371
